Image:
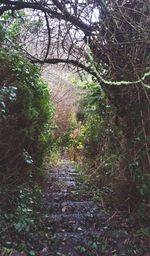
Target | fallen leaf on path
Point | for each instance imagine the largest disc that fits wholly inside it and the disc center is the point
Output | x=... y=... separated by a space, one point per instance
x=44 y=250
x=71 y=221
x=79 y=228
x=64 y=209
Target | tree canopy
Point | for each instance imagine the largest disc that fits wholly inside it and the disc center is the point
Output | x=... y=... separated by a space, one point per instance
x=113 y=32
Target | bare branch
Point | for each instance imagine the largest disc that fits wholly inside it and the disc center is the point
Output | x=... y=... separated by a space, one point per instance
x=67 y=61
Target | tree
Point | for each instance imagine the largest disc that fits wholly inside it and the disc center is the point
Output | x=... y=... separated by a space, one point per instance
x=110 y=40
x=121 y=51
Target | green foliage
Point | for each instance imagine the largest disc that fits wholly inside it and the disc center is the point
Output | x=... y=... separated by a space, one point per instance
x=141 y=179
x=144 y=232
x=98 y=141
x=10 y=28
x=2 y=34
x=102 y=144
x=21 y=229
x=26 y=138
x=26 y=117
x=25 y=214
x=55 y=156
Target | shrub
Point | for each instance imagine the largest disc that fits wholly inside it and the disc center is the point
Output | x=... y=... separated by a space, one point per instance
x=98 y=141
x=26 y=119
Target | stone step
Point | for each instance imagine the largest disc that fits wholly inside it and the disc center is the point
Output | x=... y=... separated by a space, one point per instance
x=73 y=207
x=69 y=179
x=94 y=243
x=66 y=178
x=74 y=195
x=76 y=222
x=80 y=226
x=64 y=170
x=78 y=241
x=77 y=216
x=81 y=235
x=64 y=173
x=69 y=183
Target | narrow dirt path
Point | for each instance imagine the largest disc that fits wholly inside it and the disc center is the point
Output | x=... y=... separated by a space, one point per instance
x=79 y=226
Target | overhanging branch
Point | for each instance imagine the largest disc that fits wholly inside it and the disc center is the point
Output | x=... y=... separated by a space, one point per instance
x=6 y=5
x=67 y=61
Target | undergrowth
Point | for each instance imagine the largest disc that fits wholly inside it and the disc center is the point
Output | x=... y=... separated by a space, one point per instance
x=92 y=141
x=24 y=229
x=26 y=140
x=96 y=142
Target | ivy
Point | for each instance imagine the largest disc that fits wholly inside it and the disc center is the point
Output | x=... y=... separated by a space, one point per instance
x=26 y=115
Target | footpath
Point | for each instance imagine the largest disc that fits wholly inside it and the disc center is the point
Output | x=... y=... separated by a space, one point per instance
x=80 y=227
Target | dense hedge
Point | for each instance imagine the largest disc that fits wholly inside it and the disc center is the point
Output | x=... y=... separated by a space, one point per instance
x=26 y=118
